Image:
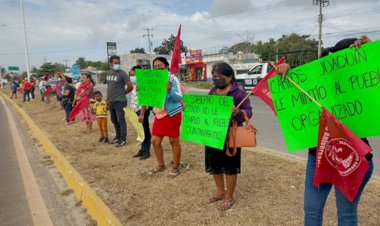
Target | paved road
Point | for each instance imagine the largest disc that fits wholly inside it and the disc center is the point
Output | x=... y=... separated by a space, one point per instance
x=32 y=191
x=12 y=196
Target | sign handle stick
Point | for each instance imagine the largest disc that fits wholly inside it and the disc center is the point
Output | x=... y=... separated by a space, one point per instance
x=241 y=102
x=304 y=92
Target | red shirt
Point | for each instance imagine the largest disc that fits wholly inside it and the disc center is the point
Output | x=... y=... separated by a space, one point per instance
x=26 y=85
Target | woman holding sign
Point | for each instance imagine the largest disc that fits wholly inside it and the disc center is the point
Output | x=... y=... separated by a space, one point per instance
x=217 y=162
x=167 y=121
x=314 y=197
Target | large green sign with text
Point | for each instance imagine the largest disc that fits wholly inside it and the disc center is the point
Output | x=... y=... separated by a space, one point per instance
x=346 y=83
x=152 y=87
x=206 y=119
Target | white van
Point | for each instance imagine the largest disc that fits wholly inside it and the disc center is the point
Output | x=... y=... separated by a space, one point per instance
x=253 y=76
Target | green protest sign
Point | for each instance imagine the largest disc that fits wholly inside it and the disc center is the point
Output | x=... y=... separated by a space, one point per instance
x=346 y=83
x=151 y=87
x=206 y=119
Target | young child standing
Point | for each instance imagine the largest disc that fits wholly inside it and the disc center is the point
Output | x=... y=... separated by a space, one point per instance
x=14 y=89
x=100 y=108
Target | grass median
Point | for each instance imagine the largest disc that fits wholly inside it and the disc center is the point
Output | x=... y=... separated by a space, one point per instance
x=269 y=189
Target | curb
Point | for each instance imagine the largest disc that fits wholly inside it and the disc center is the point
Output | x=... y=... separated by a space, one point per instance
x=95 y=206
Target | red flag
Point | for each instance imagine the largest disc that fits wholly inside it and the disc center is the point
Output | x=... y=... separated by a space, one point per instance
x=340 y=156
x=83 y=103
x=48 y=91
x=262 y=89
x=176 y=58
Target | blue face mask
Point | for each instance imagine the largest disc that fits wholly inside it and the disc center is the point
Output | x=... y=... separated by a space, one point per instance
x=116 y=67
x=133 y=79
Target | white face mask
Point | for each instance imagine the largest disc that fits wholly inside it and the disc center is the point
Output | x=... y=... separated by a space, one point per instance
x=133 y=79
x=116 y=67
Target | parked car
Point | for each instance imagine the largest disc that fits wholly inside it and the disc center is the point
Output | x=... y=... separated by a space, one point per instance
x=254 y=75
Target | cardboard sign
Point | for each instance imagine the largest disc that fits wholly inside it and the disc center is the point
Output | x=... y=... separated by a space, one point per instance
x=346 y=83
x=152 y=87
x=206 y=119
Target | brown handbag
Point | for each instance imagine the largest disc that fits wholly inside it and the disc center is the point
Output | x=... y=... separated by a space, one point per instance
x=241 y=136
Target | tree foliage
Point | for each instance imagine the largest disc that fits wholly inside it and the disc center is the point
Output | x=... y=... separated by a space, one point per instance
x=83 y=64
x=304 y=49
x=138 y=50
x=167 y=45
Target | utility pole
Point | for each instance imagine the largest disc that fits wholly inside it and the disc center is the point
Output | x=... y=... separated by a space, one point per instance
x=25 y=39
x=66 y=63
x=149 y=35
x=320 y=3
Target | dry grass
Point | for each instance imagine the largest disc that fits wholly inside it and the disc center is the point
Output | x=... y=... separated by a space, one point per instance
x=269 y=190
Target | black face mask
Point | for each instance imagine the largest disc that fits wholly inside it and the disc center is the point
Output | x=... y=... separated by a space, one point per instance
x=220 y=83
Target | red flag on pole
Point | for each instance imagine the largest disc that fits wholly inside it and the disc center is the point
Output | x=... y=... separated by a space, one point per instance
x=48 y=91
x=262 y=89
x=340 y=156
x=83 y=103
x=176 y=57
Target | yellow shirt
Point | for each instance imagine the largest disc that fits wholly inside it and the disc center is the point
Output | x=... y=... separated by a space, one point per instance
x=101 y=109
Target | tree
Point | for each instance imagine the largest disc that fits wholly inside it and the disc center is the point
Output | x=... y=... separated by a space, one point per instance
x=167 y=45
x=2 y=71
x=46 y=68
x=81 y=62
x=245 y=47
x=303 y=48
x=137 y=50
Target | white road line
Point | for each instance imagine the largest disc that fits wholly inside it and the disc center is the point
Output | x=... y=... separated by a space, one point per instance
x=37 y=206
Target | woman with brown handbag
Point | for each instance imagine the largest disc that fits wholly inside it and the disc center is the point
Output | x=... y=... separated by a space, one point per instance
x=220 y=162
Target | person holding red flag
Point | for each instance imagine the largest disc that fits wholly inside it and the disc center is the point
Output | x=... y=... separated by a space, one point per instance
x=315 y=197
x=85 y=91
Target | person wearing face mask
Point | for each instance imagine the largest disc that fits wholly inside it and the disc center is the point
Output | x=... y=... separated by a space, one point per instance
x=217 y=163
x=167 y=121
x=118 y=85
x=144 y=151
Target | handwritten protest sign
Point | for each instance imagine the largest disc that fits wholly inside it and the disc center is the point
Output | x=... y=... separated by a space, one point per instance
x=151 y=87
x=206 y=119
x=346 y=83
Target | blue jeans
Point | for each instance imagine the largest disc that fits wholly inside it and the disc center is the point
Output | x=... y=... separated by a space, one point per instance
x=314 y=199
x=68 y=108
x=26 y=95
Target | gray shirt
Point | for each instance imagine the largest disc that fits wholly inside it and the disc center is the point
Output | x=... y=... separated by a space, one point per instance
x=116 y=85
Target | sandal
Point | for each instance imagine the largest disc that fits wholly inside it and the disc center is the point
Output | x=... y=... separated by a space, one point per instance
x=158 y=169
x=215 y=198
x=173 y=172
x=226 y=205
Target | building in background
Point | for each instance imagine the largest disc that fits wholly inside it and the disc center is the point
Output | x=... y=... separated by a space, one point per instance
x=194 y=69
x=145 y=60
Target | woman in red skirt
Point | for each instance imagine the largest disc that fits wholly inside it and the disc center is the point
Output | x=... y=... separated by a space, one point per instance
x=167 y=122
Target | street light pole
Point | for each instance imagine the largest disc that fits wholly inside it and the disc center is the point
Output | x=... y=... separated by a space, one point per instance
x=25 y=39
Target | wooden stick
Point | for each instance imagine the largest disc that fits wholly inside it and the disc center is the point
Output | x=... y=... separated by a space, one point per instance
x=241 y=102
x=303 y=91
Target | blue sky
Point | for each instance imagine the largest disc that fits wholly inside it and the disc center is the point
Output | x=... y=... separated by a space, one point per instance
x=65 y=29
